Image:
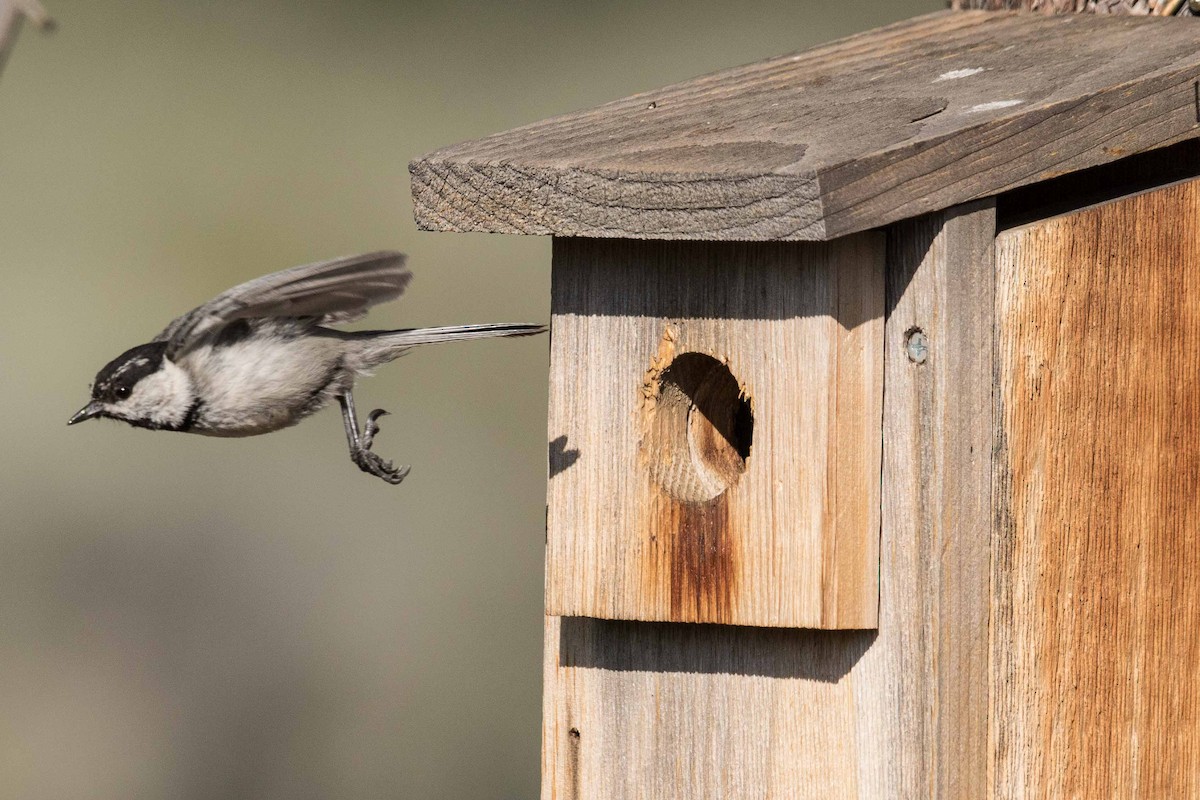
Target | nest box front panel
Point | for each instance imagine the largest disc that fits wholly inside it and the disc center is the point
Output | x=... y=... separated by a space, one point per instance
x=715 y=427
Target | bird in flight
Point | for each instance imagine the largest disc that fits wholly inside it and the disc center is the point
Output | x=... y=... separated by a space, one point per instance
x=259 y=357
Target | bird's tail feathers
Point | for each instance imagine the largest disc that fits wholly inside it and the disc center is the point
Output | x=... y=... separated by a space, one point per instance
x=386 y=345
x=411 y=337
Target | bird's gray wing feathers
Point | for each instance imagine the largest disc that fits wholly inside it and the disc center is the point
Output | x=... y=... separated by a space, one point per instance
x=329 y=291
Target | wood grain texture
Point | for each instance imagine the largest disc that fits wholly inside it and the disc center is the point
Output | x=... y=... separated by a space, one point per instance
x=883 y=126
x=1096 y=677
x=663 y=710
x=721 y=404
x=937 y=485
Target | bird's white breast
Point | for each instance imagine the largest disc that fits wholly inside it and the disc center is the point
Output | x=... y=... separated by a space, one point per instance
x=261 y=383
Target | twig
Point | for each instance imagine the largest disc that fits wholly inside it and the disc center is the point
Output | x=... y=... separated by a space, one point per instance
x=12 y=14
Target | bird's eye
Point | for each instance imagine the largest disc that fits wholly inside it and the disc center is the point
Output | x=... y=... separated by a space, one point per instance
x=122 y=392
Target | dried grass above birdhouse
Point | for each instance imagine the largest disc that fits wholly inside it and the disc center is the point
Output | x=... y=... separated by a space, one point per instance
x=1137 y=7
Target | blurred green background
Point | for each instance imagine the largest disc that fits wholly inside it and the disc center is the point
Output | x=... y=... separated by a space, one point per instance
x=183 y=617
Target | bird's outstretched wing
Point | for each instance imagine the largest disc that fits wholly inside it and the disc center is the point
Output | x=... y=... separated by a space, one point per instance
x=328 y=291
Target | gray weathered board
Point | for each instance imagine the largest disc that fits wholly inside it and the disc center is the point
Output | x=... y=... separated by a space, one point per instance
x=660 y=710
x=722 y=402
x=878 y=127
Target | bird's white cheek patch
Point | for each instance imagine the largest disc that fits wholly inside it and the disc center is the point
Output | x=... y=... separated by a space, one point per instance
x=162 y=398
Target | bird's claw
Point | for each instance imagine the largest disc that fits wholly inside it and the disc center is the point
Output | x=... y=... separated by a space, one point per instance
x=373 y=463
x=360 y=444
x=372 y=427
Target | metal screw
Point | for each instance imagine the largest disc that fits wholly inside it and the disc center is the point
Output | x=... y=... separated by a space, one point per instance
x=917 y=345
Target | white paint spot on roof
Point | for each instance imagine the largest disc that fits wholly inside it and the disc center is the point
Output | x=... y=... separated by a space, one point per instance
x=955 y=74
x=993 y=106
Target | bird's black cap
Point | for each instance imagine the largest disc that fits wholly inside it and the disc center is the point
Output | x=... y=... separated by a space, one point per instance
x=117 y=378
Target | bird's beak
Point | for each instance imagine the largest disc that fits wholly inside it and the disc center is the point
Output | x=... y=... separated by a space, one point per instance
x=90 y=411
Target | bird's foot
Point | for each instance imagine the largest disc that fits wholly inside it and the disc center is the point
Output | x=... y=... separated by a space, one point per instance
x=372 y=427
x=373 y=463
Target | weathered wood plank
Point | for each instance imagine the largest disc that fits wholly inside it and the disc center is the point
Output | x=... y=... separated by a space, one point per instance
x=937 y=485
x=883 y=126
x=1096 y=677
x=662 y=710
x=721 y=405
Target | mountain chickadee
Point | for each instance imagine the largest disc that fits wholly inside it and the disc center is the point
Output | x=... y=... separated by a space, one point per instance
x=257 y=358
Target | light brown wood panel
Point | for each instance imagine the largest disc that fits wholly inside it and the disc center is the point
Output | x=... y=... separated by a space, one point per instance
x=721 y=407
x=886 y=125
x=1096 y=628
x=665 y=710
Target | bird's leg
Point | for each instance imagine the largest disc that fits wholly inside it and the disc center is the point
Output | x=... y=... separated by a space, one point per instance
x=360 y=444
x=349 y=419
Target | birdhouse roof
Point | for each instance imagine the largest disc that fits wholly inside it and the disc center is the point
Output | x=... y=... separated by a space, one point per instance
x=874 y=128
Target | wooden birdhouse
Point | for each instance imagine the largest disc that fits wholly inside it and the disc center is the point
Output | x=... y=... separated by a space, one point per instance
x=874 y=415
